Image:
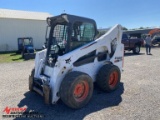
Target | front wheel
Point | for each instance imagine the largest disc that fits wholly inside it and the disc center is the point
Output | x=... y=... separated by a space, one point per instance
x=31 y=78
x=136 y=49
x=76 y=89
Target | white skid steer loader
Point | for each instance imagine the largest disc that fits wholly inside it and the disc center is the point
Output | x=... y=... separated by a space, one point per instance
x=74 y=59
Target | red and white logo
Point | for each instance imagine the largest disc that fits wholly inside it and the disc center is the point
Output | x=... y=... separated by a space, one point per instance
x=9 y=110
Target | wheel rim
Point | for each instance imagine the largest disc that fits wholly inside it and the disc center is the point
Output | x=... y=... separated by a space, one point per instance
x=113 y=79
x=81 y=91
x=137 y=49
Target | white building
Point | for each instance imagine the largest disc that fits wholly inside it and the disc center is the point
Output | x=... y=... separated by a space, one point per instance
x=16 y=24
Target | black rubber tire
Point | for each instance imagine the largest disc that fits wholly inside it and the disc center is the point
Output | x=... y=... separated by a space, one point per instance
x=103 y=77
x=68 y=87
x=31 y=83
x=135 y=51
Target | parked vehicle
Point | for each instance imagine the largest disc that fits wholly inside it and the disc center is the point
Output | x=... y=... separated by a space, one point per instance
x=156 y=41
x=132 y=43
x=74 y=60
x=25 y=47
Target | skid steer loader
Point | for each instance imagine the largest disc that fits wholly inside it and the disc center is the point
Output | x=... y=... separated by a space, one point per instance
x=74 y=59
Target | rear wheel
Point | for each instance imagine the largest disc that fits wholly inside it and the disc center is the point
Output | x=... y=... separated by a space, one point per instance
x=76 y=89
x=108 y=77
x=136 y=49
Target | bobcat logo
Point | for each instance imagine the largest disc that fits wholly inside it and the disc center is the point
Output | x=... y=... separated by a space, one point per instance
x=68 y=60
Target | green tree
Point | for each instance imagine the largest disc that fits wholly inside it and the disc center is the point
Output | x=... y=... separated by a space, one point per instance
x=141 y=28
x=124 y=28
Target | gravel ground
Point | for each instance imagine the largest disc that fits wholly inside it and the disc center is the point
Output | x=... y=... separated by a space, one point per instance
x=137 y=98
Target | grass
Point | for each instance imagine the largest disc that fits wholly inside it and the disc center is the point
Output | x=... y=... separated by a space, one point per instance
x=10 y=57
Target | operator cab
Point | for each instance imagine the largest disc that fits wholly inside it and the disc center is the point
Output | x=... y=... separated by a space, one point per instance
x=67 y=33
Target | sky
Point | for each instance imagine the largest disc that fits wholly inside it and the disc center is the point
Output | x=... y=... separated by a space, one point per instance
x=129 y=13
